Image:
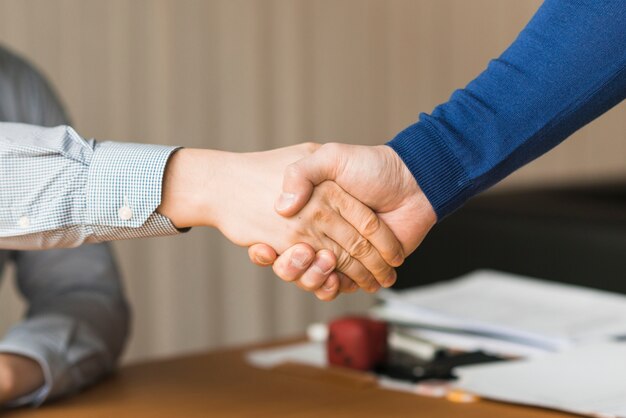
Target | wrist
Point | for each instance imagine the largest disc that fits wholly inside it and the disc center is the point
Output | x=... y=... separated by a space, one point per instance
x=7 y=381
x=418 y=211
x=19 y=376
x=413 y=193
x=190 y=194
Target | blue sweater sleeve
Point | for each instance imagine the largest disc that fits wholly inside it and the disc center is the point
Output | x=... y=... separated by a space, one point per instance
x=566 y=68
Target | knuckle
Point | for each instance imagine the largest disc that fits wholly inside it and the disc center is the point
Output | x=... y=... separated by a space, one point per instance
x=362 y=278
x=344 y=261
x=322 y=215
x=361 y=248
x=371 y=225
x=310 y=147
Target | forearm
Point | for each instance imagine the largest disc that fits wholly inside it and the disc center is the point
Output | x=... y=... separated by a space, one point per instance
x=77 y=321
x=566 y=68
x=193 y=183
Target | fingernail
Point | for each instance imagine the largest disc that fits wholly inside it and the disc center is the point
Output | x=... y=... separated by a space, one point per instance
x=285 y=201
x=398 y=260
x=300 y=259
x=327 y=286
x=391 y=279
x=262 y=260
x=323 y=266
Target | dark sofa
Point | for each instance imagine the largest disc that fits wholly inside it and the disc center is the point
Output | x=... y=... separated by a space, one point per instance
x=571 y=234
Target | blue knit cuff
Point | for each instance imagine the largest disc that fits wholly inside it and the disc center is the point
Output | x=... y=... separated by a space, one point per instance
x=438 y=172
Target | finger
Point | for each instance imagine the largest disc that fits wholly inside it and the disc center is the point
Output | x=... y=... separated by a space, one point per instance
x=352 y=268
x=361 y=254
x=330 y=289
x=376 y=232
x=294 y=262
x=316 y=276
x=302 y=176
x=262 y=255
x=346 y=285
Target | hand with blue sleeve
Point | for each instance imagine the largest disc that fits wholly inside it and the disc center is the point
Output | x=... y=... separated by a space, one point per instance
x=566 y=68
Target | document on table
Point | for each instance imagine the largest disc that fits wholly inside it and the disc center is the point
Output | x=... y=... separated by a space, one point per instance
x=588 y=380
x=550 y=316
x=309 y=353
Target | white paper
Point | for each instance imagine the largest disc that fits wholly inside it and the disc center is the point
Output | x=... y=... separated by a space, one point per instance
x=546 y=315
x=590 y=380
x=309 y=353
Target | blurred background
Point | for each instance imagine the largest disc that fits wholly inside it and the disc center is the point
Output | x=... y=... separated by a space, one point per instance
x=246 y=75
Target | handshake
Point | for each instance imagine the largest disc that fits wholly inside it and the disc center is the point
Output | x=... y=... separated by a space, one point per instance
x=346 y=217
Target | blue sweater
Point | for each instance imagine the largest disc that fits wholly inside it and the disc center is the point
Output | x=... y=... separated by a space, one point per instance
x=566 y=68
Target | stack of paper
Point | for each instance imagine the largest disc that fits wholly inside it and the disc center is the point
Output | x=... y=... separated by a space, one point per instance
x=489 y=309
x=589 y=380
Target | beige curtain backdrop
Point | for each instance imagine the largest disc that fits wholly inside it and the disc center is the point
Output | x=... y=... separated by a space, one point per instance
x=247 y=75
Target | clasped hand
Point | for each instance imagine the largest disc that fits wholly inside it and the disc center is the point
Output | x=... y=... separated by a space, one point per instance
x=347 y=215
x=378 y=178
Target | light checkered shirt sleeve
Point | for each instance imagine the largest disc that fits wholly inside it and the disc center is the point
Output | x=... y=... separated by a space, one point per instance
x=58 y=190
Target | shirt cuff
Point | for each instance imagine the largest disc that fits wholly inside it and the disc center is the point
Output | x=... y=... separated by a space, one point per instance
x=41 y=355
x=436 y=169
x=70 y=356
x=124 y=185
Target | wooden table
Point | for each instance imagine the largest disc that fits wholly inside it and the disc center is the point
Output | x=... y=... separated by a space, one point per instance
x=221 y=384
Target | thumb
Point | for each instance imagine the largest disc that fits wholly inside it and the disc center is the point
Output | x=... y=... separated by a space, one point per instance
x=300 y=179
x=262 y=254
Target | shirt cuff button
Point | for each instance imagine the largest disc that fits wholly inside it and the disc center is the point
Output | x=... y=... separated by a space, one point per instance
x=125 y=213
x=24 y=222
